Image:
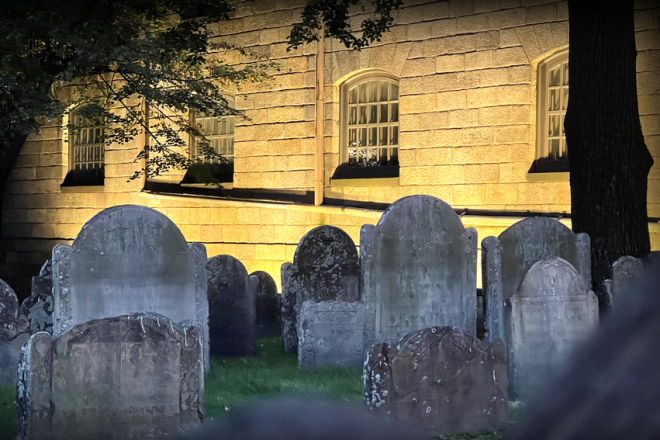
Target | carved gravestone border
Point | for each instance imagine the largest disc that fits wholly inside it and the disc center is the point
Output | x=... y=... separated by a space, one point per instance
x=326 y=267
x=14 y=333
x=128 y=259
x=38 y=307
x=137 y=376
x=418 y=270
x=551 y=313
x=232 y=296
x=507 y=258
x=268 y=321
x=330 y=334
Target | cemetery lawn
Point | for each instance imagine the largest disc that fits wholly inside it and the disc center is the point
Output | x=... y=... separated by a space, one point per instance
x=234 y=382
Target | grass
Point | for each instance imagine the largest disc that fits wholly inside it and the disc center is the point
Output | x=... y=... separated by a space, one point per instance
x=235 y=382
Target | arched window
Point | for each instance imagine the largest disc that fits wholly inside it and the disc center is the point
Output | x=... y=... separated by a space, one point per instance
x=86 y=151
x=552 y=102
x=370 y=126
x=220 y=133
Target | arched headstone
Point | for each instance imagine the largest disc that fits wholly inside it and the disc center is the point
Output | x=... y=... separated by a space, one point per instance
x=507 y=258
x=129 y=259
x=418 y=270
x=38 y=307
x=232 y=307
x=132 y=376
x=269 y=322
x=325 y=267
x=14 y=332
x=624 y=270
x=551 y=313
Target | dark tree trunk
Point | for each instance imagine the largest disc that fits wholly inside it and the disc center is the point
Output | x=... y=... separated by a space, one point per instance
x=609 y=161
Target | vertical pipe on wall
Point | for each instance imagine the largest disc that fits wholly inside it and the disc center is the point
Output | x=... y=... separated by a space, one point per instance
x=318 y=159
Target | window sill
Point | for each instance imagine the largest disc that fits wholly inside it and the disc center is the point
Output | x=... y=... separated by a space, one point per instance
x=369 y=182
x=548 y=177
x=82 y=189
x=225 y=185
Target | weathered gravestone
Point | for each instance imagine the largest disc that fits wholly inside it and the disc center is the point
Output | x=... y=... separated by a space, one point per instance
x=289 y=330
x=330 y=334
x=418 y=270
x=14 y=333
x=38 y=307
x=441 y=378
x=232 y=307
x=624 y=270
x=507 y=258
x=132 y=376
x=325 y=267
x=129 y=259
x=268 y=306
x=551 y=314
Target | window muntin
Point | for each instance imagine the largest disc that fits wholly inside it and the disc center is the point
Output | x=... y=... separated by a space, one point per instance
x=372 y=123
x=552 y=102
x=87 y=151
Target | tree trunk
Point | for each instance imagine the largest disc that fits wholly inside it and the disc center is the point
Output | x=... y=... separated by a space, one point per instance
x=609 y=161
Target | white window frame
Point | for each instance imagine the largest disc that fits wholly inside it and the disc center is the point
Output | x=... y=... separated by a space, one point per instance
x=543 y=112
x=344 y=112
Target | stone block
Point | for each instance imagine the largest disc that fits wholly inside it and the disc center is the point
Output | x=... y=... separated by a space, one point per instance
x=451 y=100
x=507 y=18
x=443 y=28
x=450 y=63
x=441 y=378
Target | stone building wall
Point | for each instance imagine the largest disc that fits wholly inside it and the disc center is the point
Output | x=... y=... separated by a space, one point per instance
x=467 y=72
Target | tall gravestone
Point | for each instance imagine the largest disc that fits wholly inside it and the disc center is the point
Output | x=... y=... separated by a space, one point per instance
x=440 y=378
x=269 y=322
x=325 y=267
x=550 y=314
x=624 y=270
x=232 y=307
x=289 y=330
x=14 y=332
x=330 y=333
x=38 y=307
x=507 y=258
x=418 y=270
x=133 y=376
x=129 y=259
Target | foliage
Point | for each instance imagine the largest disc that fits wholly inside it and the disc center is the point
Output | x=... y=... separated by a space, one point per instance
x=7 y=411
x=121 y=59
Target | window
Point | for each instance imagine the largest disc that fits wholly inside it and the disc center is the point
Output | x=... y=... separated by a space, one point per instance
x=86 y=151
x=552 y=101
x=370 y=128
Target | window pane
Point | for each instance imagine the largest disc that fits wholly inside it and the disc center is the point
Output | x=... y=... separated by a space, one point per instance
x=363 y=114
x=232 y=123
x=394 y=112
x=352 y=115
x=394 y=138
x=362 y=157
x=373 y=113
x=394 y=157
x=555 y=74
x=382 y=159
x=562 y=125
x=363 y=92
x=395 y=92
x=553 y=148
x=553 y=125
x=383 y=113
x=383 y=136
x=373 y=91
x=362 y=140
x=371 y=157
x=553 y=105
x=352 y=96
x=230 y=147
x=352 y=155
x=384 y=88
x=373 y=135
x=565 y=73
x=223 y=126
x=564 y=98
x=564 y=150
x=352 y=137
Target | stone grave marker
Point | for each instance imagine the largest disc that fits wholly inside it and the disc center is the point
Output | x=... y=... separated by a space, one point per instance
x=441 y=378
x=325 y=267
x=418 y=270
x=232 y=307
x=507 y=258
x=624 y=270
x=551 y=313
x=289 y=331
x=14 y=332
x=38 y=307
x=129 y=259
x=331 y=334
x=132 y=376
x=269 y=322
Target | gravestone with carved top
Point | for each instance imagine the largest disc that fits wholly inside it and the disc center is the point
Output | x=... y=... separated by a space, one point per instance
x=14 y=332
x=38 y=307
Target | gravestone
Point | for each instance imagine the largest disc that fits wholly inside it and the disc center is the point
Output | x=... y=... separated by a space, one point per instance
x=232 y=307
x=289 y=331
x=269 y=306
x=418 y=270
x=325 y=268
x=507 y=258
x=441 y=378
x=330 y=334
x=14 y=333
x=132 y=376
x=551 y=314
x=129 y=259
x=624 y=270
x=38 y=307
